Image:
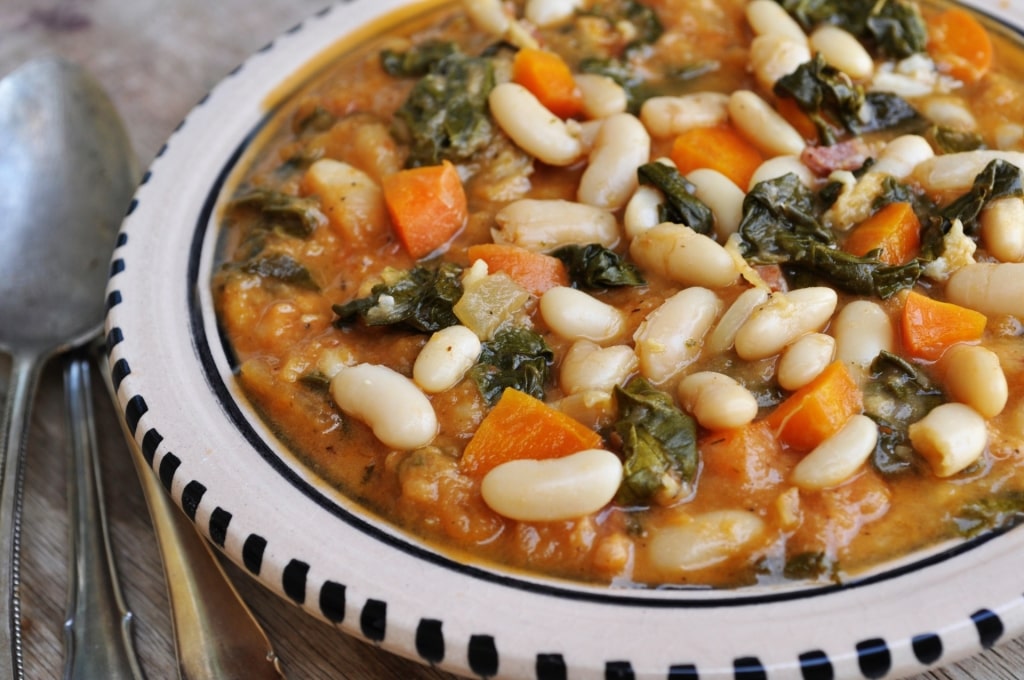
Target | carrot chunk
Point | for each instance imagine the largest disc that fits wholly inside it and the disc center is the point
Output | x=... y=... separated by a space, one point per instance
x=928 y=326
x=520 y=426
x=894 y=231
x=719 y=147
x=549 y=78
x=959 y=44
x=536 y=272
x=817 y=410
x=427 y=206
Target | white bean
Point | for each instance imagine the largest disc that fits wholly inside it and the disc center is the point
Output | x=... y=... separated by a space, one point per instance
x=488 y=15
x=783 y=319
x=575 y=315
x=548 y=12
x=862 y=330
x=532 y=126
x=804 y=359
x=956 y=171
x=975 y=377
x=776 y=167
x=951 y=437
x=399 y=414
x=724 y=335
x=763 y=126
x=685 y=256
x=669 y=339
x=717 y=401
x=554 y=489
x=992 y=289
x=841 y=50
x=669 y=116
x=1002 y=229
x=722 y=196
x=773 y=56
x=951 y=112
x=767 y=17
x=622 y=145
x=546 y=224
x=601 y=96
x=705 y=540
x=589 y=367
x=445 y=358
x=900 y=156
x=643 y=211
x=594 y=408
x=838 y=458
x=350 y=199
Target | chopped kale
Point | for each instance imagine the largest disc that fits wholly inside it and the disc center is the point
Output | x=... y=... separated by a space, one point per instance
x=417 y=62
x=283 y=268
x=421 y=299
x=594 y=266
x=515 y=357
x=809 y=566
x=659 y=442
x=316 y=381
x=954 y=141
x=646 y=26
x=632 y=82
x=894 y=28
x=681 y=205
x=293 y=215
x=1001 y=511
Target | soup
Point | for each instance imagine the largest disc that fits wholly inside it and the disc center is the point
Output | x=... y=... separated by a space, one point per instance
x=675 y=293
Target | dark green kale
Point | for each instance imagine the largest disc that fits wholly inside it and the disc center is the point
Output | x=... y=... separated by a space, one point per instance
x=418 y=61
x=283 y=268
x=292 y=215
x=809 y=566
x=645 y=22
x=659 y=442
x=515 y=357
x=445 y=116
x=954 y=141
x=632 y=82
x=681 y=205
x=421 y=298
x=892 y=28
x=595 y=267
x=897 y=395
x=1001 y=511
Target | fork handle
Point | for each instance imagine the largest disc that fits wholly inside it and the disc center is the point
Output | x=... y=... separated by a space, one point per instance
x=98 y=628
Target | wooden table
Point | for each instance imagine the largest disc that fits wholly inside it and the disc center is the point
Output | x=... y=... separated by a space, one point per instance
x=157 y=58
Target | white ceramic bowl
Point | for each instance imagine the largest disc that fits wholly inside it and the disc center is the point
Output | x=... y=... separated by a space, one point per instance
x=309 y=544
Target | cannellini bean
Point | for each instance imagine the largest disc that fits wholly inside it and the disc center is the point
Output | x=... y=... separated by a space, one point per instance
x=669 y=339
x=773 y=56
x=622 y=145
x=575 y=315
x=488 y=16
x=1002 y=229
x=763 y=126
x=669 y=116
x=724 y=335
x=352 y=202
x=841 y=50
x=900 y=156
x=776 y=167
x=838 y=458
x=951 y=112
x=446 y=357
x=992 y=289
x=956 y=171
x=532 y=126
x=705 y=540
x=951 y=437
x=975 y=377
x=717 y=401
x=722 y=196
x=546 y=224
x=554 y=489
x=399 y=414
x=685 y=256
x=784 y=318
x=643 y=211
x=589 y=367
x=547 y=12
x=862 y=330
x=601 y=96
x=594 y=408
x=804 y=359
x=767 y=17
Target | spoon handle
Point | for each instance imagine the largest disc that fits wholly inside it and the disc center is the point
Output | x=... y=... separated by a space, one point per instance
x=25 y=371
x=98 y=628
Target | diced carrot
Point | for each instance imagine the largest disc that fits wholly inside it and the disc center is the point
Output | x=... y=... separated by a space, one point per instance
x=549 y=78
x=817 y=410
x=746 y=463
x=719 y=147
x=427 y=206
x=894 y=230
x=536 y=272
x=795 y=116
x=959 y=44
x=523 y=427
x=929 y=326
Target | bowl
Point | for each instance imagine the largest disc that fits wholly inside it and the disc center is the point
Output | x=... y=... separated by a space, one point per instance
x=311 y=545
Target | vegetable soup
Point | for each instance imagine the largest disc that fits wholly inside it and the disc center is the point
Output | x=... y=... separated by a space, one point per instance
x=648 y=293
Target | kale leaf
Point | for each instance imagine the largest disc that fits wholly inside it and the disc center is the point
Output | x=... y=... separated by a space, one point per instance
x=421 y=298
x=292 y=215
x=659 y=441
x=1001 y=511
x=593 y=266
x=281 y=267
x=681 y=205
x=895 y=28
x=515 y=357
x=646 y=26
x=419 y=61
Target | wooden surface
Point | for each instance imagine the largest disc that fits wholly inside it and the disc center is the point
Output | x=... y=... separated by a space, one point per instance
x=157 y=58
